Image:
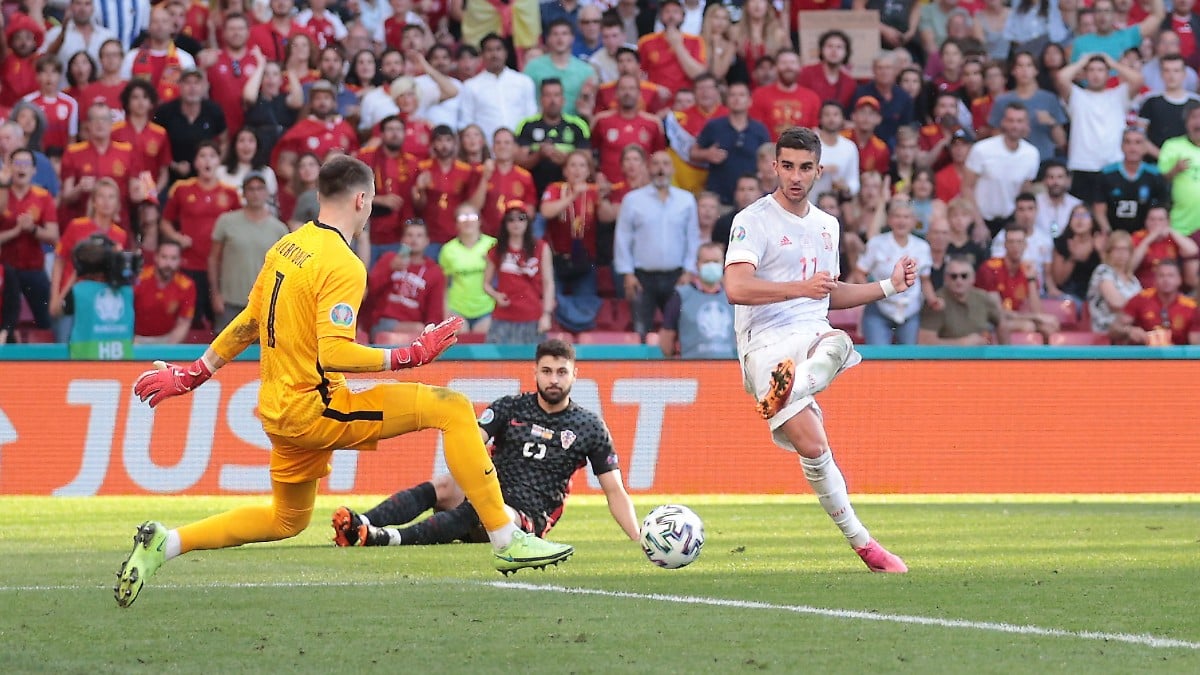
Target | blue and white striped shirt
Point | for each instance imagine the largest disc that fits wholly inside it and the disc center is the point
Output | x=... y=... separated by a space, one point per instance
x=126 y=18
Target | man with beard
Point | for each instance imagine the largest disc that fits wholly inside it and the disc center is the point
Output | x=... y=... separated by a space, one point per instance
x=548 y=138
x=781 y=276
x=784 y=103
x=78 y=33
x=230 y=69
x=190 y=120
x=321 y=132
x=539 y=440
x=443 y=184
x=395 y=171
x=613 y=131
x=159 y=60
x=672 y=58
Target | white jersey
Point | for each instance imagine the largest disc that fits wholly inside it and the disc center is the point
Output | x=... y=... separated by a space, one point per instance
x=782 y=247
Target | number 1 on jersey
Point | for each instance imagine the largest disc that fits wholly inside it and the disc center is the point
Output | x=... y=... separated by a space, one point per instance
x=271 y=310
x=805 y=270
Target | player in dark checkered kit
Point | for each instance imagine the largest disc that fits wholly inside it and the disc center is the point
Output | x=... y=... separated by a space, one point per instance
x=539 y=440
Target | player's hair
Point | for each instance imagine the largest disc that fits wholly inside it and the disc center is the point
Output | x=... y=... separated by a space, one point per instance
x=835 y=33
x=799 y=138
x=556 y=348
x=342 y=174
x=145 y=87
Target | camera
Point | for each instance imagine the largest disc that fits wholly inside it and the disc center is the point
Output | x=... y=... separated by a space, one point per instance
x=99 y=258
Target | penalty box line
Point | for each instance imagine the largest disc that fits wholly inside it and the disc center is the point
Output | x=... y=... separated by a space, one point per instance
x=989 y=626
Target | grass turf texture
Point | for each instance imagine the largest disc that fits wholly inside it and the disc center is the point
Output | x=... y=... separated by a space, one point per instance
x=1123 y=566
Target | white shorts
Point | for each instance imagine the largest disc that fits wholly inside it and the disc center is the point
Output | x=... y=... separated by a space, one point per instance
x=760 y=361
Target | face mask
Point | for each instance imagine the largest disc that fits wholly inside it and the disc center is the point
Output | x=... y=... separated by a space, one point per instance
x=711 y=272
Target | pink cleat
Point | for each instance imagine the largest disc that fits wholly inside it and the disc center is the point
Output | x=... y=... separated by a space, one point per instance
x=879 y=559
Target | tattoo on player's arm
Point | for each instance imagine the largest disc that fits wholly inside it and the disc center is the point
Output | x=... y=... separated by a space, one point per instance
x=246 y=332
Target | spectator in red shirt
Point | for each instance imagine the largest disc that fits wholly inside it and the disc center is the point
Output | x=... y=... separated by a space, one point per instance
x=1160 y=315
x=934 y=138
x=27 y=222
x=614 y=130
x=319 y=133
x=671 y=57
x=273 y=36
x=103 y=210
x=873 y=152
x=784 y=103
x=830 y=78
x=159 y=60
x=192 y=208
x=520 y=278
x=948 y=180
x=149 y=140
x=406 y=289
x=395 y=173
x=18 y=58
x=1015 y=284
x=1157 y=242
x=109 y=84
x=505 y=181
x=230 y=69
x=80 y=72
x=443 y=184
x=98 y=157
x=164 y=299
x=570 y=208
x=652 y=97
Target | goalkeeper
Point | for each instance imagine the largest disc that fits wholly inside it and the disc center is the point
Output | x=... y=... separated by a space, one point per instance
x=302 y=311
x=540 y=440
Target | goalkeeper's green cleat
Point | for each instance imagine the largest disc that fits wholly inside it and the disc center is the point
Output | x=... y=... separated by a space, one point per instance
x=526 y=550
x=143 y=561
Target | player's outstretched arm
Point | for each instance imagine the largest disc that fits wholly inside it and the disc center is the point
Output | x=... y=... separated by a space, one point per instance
x=904 y=275
x=619 y=503
x=743 y=288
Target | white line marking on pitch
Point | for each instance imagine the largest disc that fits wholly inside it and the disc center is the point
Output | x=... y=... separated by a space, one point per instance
x=1142 y=640
x=996 y=627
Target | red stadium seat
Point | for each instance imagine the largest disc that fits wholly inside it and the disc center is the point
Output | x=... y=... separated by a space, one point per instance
x=608 y=337
x=1066 y=311
x=36 y=336
x=605 y=285
x=1021 y=337
x=614 y=315
x=472 y=338
x=848 y=320
x=198 y=336
x=1079 y=339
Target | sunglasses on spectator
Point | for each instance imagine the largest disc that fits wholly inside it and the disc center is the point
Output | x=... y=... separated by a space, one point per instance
x=958 y=275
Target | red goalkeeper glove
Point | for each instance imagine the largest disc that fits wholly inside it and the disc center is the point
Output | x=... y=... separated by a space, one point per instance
x=428 y=346
x=168 y=380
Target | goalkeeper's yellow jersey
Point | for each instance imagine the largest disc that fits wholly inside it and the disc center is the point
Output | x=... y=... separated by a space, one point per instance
x=304 y=305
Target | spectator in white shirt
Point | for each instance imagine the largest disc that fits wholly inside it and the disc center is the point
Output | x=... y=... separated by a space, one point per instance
x=437 y=90
x=1000 y=167
x=498 y=97
x=839 y=155
x=897 y=317
x=79 y=32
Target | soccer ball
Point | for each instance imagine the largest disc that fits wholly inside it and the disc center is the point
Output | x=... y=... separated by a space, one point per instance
x=672 y=536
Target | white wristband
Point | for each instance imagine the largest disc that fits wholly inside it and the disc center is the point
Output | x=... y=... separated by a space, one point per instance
x=889 y=289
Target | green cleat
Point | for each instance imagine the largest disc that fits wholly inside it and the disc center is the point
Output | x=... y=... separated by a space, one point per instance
x=526 y=550
x=143 y=561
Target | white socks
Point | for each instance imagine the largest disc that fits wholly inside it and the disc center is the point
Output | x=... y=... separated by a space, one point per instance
x=173 y=547
x=817 y=372
x=502 y=537
x=829 y=485
x=393 y=535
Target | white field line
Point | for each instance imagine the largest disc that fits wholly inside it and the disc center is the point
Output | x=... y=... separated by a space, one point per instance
x=987 y=626
x=1142 y=640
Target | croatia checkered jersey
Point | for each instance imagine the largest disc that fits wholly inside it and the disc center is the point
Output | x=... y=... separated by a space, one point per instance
x=536 y=453
x=782 y=247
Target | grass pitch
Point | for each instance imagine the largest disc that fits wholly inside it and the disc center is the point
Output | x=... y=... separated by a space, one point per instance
x=997 y=585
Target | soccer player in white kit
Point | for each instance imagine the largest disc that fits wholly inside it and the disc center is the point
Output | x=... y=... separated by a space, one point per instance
x=781 y=273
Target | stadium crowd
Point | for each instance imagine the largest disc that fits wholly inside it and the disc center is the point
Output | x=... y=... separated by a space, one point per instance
x=565 y=167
